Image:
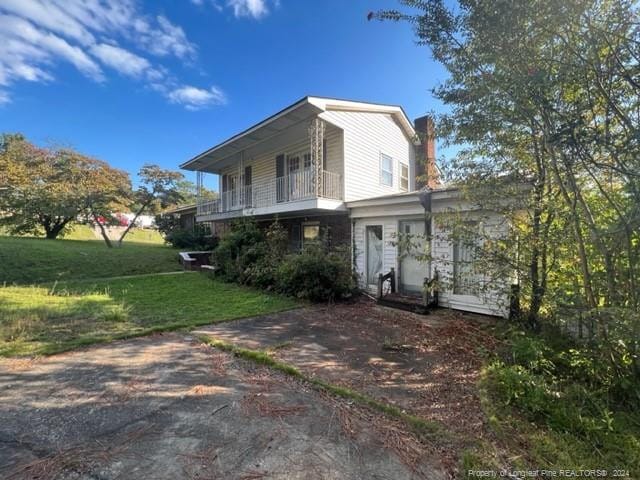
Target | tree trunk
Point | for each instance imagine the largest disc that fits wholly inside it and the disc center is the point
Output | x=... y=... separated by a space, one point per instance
x=103 y=232
x=53 y=229
x=132 y=223
x=536 y=276
x=537 y=291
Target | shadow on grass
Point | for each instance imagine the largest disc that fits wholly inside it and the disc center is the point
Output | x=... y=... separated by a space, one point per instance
x=36 y=320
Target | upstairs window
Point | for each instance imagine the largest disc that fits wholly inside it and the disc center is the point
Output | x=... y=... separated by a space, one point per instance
x=404 y=177
x=386 y=170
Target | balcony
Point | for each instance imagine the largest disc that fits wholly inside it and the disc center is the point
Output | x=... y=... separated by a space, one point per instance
x=282 y=192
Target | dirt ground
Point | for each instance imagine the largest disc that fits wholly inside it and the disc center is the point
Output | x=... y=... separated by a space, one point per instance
x=428 y=365
x=168 y=407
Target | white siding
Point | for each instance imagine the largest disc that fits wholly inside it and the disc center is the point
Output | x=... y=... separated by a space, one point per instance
x=366 y=136
x=493 y=302
x=494 y=299
x=264 y=163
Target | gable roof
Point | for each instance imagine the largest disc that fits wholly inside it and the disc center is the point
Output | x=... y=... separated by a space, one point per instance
x=305 y=108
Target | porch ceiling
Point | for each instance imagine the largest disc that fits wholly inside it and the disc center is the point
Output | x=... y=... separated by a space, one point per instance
x=222 y=154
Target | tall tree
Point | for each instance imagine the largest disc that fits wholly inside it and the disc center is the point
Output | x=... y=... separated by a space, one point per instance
x=47 y=189
x=158 y=189
x=546 y=92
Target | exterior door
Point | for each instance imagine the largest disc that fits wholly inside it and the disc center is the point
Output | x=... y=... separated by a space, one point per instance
x=295 y=183
x=234 y=191
x=374 y=253
x=412 y=270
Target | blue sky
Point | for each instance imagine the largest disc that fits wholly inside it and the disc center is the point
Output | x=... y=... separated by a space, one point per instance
x=132 y=82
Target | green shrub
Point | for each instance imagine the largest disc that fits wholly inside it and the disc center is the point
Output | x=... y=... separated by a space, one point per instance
x=574 y=392
x=251 y=256
x=264 y=272
x=196 y=239
x=316 y=274
x=239 y=252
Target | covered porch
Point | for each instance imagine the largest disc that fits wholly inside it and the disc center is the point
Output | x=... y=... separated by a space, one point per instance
x=289 y=162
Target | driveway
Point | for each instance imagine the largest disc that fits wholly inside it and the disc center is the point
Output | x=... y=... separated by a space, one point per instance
x=427 y=365
x=167 y=407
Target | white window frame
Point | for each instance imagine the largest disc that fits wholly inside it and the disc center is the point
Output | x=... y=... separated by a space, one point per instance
x=403 y=178
x=383 y=157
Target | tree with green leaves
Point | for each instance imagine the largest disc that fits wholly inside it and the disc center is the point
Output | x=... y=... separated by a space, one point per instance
x=158 y=189
x=48 y=189
x=189 y=193
x=545 y=93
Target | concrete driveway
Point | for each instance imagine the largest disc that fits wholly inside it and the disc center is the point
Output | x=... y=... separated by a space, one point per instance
x=167 y=407
x=427 y=365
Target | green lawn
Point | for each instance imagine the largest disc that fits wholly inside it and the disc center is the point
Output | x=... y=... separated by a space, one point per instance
x=35 y=260
x=135 y=235
x=39 y=320
x=84 y=232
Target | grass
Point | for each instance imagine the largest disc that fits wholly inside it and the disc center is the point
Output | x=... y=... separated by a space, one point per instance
x=35 y=260
x=546 y=409
x=142 y=235
x=85 y=232
x=419 y=426
x=62 y=316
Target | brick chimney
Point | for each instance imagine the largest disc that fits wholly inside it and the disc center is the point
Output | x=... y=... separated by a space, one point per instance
x=425 y=164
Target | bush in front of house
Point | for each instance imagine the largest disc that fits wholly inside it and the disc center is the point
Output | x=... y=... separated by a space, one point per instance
x=192 y=239
x=197 y=238
x=265 y=271
x=252 y=256
x=239 y=252
x=316 y=274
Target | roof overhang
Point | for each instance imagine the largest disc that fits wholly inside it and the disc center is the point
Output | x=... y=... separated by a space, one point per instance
x=305 y=109
x=402 y=198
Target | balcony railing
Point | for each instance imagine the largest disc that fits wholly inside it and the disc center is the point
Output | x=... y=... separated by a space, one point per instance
x=290 y=188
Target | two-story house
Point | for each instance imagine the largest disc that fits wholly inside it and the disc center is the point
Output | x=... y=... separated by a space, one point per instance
x=354 y=170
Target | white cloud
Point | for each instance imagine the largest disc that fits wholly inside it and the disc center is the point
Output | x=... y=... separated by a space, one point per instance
x=48 y=15
x=249 y=8
x=193 y=98
x=255 y=9
x=121 y=60
x=25 y=47
x=35 y=35
x=4 y=97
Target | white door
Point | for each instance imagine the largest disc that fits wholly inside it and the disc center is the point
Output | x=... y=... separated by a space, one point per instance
x=234 y=191
x=374 y=253
x=411 y=247
x=293 y=162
